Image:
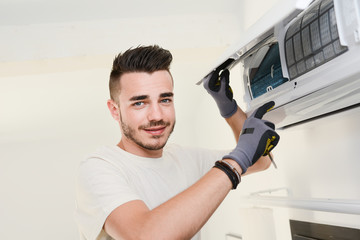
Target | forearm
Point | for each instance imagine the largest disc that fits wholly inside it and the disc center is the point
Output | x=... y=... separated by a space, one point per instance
x=236 y=122
x=181 y=217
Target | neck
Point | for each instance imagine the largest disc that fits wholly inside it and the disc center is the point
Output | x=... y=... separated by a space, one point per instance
x=138 y=150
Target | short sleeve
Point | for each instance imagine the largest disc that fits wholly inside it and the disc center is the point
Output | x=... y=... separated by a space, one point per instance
x=101 y=187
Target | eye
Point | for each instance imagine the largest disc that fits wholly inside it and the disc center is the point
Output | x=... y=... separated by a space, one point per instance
x=166 y=100
x=138 y=104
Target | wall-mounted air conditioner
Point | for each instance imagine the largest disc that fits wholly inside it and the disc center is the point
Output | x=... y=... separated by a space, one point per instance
x=305 y=56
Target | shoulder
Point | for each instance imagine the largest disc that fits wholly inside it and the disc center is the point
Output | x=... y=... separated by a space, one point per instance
x=105 y=156
x=100 y=164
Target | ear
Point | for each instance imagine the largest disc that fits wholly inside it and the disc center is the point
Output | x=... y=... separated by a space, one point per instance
x=114 y=110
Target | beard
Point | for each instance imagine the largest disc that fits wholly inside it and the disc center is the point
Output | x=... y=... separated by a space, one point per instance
x=130 y=133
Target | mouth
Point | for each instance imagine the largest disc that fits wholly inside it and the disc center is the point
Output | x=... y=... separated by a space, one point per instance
x=155 y=131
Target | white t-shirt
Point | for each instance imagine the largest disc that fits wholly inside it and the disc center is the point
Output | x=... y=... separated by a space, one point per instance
x=111 y=177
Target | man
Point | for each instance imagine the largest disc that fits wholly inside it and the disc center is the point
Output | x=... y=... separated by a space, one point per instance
x=141 y=189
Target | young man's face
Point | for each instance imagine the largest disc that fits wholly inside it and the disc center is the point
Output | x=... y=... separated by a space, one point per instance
x=147 y=114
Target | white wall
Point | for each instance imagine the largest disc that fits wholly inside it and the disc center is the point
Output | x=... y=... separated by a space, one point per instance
x=56 y=124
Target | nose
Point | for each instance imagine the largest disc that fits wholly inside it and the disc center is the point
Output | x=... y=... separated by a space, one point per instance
x=155 y=112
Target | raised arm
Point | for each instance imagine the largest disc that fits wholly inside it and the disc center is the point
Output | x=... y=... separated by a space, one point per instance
x=218 y=86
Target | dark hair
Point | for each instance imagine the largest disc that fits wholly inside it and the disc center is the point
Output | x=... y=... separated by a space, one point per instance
x=141 y=59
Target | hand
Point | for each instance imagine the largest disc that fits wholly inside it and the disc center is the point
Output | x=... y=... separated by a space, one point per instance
x=220 y=90
x=257 y=139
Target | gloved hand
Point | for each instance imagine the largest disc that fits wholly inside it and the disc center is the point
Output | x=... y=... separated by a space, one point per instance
x=220 y=90
x=257 y=139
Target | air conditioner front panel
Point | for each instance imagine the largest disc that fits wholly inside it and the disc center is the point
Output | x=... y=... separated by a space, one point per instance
x=308 y=63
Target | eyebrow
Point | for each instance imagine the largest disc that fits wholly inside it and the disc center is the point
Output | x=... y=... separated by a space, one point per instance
x=167 y=94
x=140 y=97
x=143 y=97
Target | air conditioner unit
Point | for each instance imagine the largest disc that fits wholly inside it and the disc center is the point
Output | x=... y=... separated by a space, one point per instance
x=305 y=56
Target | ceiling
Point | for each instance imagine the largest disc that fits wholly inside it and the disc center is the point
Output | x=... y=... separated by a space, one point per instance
x=40 y=29
x=24 y=12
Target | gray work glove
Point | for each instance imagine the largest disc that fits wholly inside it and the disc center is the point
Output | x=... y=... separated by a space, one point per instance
x=257 y=139
x=220 y=90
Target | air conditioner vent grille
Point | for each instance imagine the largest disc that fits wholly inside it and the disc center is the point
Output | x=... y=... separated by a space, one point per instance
x=312 y=39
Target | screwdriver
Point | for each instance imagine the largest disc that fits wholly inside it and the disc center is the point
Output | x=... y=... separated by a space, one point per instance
x=272 y=160
x=268 y=148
